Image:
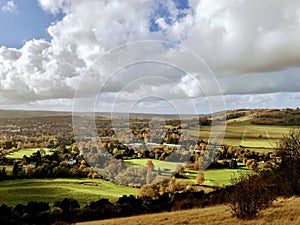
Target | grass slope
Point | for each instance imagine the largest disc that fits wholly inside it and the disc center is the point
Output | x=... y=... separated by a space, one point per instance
x=283 y=211
x=21 y=191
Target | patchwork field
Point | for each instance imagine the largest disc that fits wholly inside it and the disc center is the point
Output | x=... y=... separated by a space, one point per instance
x=244 y=134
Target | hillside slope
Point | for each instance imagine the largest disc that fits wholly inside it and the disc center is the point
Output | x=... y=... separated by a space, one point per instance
x=278 y=117
x=283 y=211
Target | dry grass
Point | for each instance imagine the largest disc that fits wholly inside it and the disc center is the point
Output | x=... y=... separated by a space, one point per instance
x=283 y=211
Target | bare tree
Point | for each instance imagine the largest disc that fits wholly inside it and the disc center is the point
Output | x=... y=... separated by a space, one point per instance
x=290 y=144
x=250 y=195
x=288 y=150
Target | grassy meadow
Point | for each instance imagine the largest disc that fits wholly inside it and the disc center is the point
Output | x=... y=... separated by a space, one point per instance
x=163 y=165
x=26 y=151
x=213 y=177
x=21 y=191
x=217 y=177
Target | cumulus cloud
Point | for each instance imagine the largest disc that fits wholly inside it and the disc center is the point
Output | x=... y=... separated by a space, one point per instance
x=9 y=6
x=251 y=47
x=243 y=36
x=55 y=6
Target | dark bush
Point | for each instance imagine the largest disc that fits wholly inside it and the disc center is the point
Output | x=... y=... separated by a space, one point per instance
x=250 y=194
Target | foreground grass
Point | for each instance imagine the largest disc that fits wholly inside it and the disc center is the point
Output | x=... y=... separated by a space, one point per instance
x=283 y=211
x=21 y=191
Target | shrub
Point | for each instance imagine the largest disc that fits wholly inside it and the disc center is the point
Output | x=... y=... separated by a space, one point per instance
x=250 y=195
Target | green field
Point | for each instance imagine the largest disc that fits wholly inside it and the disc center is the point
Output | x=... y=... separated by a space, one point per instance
x=163 y=165
x=21 y=191
x=213 y=177
x=26 y=151
x=217 y=177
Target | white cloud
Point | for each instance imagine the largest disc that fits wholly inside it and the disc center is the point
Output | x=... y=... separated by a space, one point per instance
x=263 y=101
x=246 y=36
x=55 y=6
x=251 y=46
x=9 y=6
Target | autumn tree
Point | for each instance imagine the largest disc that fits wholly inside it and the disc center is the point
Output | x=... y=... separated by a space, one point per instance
x=150 y=168
x=150 y=191
x=200 y=177
x=19 y=146
x=179 y=168
x=174 y=185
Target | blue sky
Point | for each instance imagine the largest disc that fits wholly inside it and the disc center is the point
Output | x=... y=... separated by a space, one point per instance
x=24 y=22
x=162 y=11
x=27 y=20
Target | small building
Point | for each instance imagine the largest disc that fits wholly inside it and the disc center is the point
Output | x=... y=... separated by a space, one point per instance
x=71 y=162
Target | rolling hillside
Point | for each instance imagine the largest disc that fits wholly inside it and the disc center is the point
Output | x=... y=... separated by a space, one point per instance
x=283 y=211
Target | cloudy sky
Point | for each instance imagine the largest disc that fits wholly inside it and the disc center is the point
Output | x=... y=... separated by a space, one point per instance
x=149 y=55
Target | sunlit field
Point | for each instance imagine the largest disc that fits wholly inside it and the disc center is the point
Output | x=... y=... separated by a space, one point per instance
x=163 y=165
x=212 y=177
x=26 y=151
x=218 y=177
x=21 y=191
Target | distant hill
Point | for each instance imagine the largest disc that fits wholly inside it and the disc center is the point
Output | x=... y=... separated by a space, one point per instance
x=31 y=113
x=279 y=117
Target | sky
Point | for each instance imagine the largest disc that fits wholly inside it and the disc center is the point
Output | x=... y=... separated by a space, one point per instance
x=23 y=20
x=160 y=56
